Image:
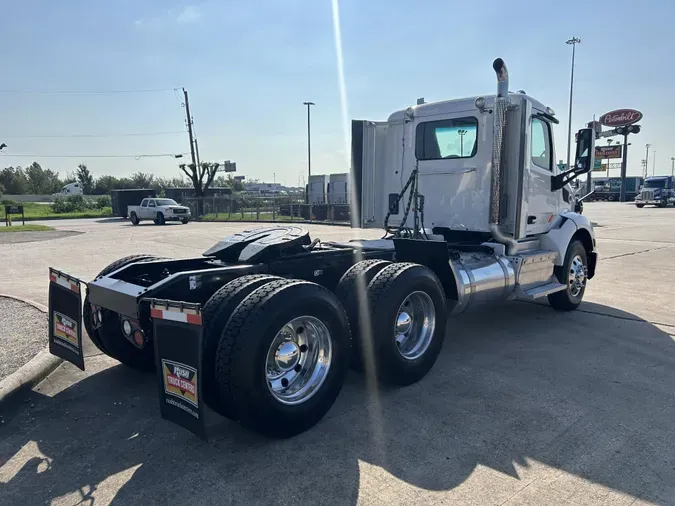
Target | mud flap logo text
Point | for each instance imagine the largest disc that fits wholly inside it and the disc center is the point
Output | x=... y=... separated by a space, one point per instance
x=180 y=381
x=65 y=328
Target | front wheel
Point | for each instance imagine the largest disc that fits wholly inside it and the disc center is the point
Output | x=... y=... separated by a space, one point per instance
x=639 y=206
x=184 y=221
x=573 y=274
x=283 y=357
x=160 y=219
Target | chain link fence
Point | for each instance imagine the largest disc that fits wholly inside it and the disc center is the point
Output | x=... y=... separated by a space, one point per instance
x=238 y=207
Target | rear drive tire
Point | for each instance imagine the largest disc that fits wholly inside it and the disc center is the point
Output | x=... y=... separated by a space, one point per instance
x=352 y=291
x=216 y=313
x=109 y=338
x=134 y=219
x=573 y=274
x=160 y=219
x=283 y=358
x=639 y=206
x=408 y=323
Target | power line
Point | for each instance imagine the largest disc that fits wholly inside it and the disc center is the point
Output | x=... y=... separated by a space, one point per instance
x=90 y=92
x=69 y=136
x=172 y=155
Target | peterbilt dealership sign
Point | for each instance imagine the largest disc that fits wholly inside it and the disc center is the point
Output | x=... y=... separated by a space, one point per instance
x=620 y=117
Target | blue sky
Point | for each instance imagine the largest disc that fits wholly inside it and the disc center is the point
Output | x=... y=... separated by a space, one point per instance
x=248 y=66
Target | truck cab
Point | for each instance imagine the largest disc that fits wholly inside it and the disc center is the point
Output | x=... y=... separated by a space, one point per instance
x=657 y=190
x=451 y=145
x=71 y=189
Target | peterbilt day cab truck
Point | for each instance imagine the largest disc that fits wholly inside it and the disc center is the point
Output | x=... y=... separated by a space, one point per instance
x=658 y=191
x=263 y=327
x=159 y=210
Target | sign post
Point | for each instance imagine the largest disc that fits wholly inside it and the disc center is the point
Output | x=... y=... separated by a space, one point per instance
x=623 y=121
x=10 y=210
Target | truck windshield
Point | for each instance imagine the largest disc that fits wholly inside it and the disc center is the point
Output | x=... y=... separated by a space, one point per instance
x=655 y=183
x=166 y=202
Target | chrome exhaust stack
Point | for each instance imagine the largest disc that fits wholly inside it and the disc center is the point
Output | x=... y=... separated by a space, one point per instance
x=502 y=102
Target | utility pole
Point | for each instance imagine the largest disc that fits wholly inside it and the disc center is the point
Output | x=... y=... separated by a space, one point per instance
x=573 y=42
x=309 y=141
x=189 y=125
x=653 y=162
x=647 y=159
x=197 y=152
x=672 y=165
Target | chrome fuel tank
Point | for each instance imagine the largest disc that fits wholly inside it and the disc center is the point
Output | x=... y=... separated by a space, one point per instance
x=482 y=277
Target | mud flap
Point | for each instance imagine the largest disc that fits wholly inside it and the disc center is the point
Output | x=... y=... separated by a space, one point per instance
x=65 y=317
x=177 y=334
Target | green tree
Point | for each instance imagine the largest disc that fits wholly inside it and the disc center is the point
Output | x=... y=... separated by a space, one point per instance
x=42 y=181
x=85 y=178
x=104 y=184
x=201 y=178
x=228 y=181
x=14 y=180
x=141 y=180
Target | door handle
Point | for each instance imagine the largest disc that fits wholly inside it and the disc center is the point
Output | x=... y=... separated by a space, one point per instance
x=531 y=220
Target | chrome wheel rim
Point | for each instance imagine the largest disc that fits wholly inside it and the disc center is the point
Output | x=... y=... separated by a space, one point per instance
x=298 y=360
x=414 y=325
x=576 y=280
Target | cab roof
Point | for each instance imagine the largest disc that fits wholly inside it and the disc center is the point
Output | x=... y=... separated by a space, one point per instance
x=457 y=105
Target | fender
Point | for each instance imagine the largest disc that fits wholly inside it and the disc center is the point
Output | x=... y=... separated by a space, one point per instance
x=568 y=227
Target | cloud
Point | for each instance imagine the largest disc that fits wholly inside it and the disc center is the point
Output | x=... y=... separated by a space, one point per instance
x=189 y=14
x=186 y=15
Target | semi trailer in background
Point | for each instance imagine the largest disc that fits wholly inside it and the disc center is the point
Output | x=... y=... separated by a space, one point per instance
x=122 y=199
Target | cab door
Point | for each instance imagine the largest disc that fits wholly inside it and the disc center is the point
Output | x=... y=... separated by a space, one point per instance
x=542 y=203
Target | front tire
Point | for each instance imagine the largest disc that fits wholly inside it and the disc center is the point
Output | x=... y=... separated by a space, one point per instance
x=160 y=219
x=639 y=206
x=408 y=322
x=572 y=274
x=283 y=357
x=184 y=221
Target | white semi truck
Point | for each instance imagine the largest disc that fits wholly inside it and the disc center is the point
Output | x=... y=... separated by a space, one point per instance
x=263 y=327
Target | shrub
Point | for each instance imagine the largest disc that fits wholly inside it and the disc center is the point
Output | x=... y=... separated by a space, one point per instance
x=103 y=201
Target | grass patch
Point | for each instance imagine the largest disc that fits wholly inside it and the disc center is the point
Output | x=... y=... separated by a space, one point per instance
x=35 y=211
x=25 y=228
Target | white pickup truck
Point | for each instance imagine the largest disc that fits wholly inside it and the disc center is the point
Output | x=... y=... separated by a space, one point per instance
x=158 y=210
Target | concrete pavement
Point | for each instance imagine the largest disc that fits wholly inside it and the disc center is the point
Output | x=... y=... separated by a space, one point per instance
x=525 y=405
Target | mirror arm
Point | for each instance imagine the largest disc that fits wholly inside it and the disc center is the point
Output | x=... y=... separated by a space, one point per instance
x=557 y=182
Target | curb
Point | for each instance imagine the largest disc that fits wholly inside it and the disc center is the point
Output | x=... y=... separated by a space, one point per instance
x=32 y=372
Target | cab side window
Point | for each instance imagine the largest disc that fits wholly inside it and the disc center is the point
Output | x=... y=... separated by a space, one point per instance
x=151 y=203
x=541 y=149
x=144 y=203
x=446 y=139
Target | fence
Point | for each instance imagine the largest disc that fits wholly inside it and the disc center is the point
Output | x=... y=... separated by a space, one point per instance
x=240 y=207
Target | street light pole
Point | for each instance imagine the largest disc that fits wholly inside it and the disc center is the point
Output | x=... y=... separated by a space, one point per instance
x=647 y=159
x=461 y=133
x=672 y=165
x=653 y=162
x=573 y=41
x=309 y=141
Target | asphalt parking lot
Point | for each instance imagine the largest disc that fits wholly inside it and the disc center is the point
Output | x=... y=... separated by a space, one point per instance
x=525 y=405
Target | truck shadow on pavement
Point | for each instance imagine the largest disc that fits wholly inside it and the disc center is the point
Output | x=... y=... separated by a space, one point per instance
x=518 y=388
